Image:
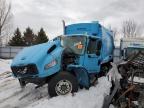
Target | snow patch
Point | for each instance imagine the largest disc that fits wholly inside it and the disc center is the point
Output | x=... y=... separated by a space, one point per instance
x=137 y=79
x=5 y=65
x=92 y=98
x=12 y=96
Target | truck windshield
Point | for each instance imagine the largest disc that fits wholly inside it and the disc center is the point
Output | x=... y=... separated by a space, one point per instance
x=76 y=44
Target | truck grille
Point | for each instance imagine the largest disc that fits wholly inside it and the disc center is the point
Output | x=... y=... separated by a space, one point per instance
x=30 y=69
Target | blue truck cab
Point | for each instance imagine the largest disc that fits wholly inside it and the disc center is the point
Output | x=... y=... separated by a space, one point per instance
x=73 y=59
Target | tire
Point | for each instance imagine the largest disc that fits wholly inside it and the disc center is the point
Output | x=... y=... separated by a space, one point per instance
x=105 y=69
x=62 y=84
x=22 y=83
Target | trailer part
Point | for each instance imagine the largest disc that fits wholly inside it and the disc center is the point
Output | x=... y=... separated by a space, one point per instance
x=113 y=76
x=129 y=91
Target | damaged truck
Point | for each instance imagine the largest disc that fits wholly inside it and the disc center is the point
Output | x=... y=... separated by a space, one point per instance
x=75 y=59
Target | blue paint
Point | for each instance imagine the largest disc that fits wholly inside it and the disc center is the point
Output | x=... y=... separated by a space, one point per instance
x=83 y=28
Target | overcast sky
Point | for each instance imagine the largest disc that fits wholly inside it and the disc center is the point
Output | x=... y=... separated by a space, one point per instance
x=49 y=13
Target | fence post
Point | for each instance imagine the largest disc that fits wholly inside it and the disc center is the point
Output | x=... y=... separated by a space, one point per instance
x=0 y=51
x=10 y=52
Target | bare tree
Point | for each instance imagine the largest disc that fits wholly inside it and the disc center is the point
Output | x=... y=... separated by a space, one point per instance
x=5 y=18
x=131 y=29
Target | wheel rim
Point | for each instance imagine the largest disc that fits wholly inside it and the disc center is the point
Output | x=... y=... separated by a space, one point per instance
x=63 y=87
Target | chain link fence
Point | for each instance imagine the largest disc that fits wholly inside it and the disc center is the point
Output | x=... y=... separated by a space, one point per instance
x=9 y=52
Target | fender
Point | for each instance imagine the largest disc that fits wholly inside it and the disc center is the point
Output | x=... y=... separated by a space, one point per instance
x=81 y=74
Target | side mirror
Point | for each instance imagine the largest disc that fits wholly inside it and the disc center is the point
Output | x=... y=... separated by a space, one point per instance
x=92 y=38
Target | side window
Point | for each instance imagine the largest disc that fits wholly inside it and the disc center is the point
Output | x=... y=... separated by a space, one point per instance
x=92 y=46
x=98 y=49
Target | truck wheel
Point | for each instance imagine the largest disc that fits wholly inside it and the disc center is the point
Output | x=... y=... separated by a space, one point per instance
x=22 y=83
x=105 y=69
x=62 y=84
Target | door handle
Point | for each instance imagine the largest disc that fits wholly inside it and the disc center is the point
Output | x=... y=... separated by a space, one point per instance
x=99 y=62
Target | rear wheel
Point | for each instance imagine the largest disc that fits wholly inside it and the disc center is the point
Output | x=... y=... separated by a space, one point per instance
x=62 y=84
x=105 y=69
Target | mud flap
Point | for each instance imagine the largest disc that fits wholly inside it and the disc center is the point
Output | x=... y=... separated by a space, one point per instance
x=82 y=77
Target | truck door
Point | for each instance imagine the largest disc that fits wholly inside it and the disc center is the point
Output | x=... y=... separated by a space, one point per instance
x=92 y=55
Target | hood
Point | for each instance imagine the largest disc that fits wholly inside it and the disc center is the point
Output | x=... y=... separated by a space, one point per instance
x=30 y=55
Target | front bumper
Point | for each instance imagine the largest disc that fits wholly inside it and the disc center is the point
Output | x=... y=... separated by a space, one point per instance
x=36 y=80
x=25 y=71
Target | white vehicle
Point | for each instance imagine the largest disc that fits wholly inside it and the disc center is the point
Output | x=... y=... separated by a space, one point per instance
x=130 y=45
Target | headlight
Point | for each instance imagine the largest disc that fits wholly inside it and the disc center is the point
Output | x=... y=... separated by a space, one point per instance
x=51 y=64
